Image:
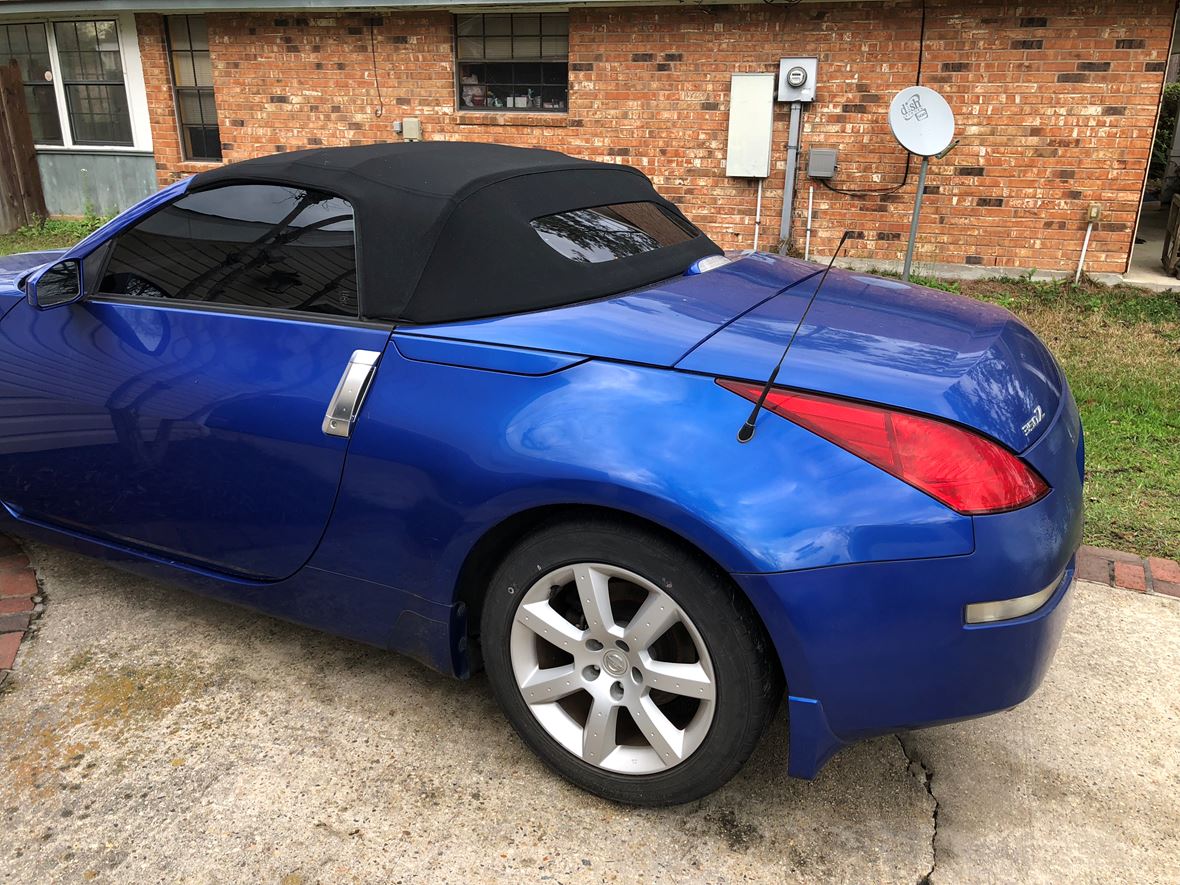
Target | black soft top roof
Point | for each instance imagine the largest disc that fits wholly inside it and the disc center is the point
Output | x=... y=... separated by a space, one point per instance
x=443 y=228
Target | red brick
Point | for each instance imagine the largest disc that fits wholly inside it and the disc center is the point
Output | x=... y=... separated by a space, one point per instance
x=15 y=604
x=1046 y=148
x=1167 y=588
x=9 y=643
x=7 y=546
x=1113 y=555
x=1092 y=567
x=10 y=623
x=1130 y=576
x=1165 y=570
x=18 y=584
x=14 y=563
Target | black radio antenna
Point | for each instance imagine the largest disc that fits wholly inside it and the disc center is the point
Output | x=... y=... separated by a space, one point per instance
x=747 y=431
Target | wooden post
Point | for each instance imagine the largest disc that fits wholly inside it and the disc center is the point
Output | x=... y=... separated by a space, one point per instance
x=22 y=201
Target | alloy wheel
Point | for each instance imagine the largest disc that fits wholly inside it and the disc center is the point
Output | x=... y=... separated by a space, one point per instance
x=612 y=668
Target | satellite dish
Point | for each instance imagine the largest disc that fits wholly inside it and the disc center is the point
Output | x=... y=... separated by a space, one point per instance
x=921 y=120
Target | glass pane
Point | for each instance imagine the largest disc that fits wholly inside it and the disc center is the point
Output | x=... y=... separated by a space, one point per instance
x=18 y=40
x=112 y=67
x=553 y=47
x=498 y=47
x=178 y=31
x=497 y=24
x=204 y=68
x=555 y=23
x=500 y=73
x=43 y=114
x=198 y=31
x=98 y=114
x=107 y=36
x=526 y=47
x=202 y=143
x=208 y=107
x=468 y=25
x=610 y=232
x=528 y=73
x=470 y=47
x=246 y=245
x=182 y=69
x=526 y=24
x=66 y=34
x=555 y=74
x=188 y=105
x=553 y=98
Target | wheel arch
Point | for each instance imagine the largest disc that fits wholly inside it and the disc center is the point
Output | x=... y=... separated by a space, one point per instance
x=495 y=543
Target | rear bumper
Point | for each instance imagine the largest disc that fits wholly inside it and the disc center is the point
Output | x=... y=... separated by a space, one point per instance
x=872 y=648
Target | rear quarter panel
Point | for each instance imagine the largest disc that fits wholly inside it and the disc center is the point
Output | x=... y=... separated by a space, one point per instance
x=441 y=454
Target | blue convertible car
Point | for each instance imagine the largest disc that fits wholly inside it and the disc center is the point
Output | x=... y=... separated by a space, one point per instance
x=481 y=405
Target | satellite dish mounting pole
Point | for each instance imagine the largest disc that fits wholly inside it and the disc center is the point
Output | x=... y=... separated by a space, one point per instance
x=924 y=124
x=909 y=252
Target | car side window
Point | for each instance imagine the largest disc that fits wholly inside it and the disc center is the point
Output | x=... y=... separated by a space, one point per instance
x=247 y=245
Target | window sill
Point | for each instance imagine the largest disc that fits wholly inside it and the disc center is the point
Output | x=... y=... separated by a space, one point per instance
x=512 y=118
x=92 y=149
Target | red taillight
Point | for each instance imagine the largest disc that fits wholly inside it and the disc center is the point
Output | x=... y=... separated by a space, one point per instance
x=961 y=469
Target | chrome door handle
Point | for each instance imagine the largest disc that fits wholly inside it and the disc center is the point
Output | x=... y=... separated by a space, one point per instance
x=350 y=393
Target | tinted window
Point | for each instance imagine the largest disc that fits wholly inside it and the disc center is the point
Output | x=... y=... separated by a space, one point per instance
x=605 y=233
x=253 y=245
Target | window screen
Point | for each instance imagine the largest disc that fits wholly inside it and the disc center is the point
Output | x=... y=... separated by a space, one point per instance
x=606 y=233
x=250 y=245
x=29 y=46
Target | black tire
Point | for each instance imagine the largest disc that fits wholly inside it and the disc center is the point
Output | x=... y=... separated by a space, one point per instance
x=747 y=679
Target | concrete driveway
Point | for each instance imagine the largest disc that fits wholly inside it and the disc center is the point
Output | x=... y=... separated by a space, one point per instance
x=149 y=735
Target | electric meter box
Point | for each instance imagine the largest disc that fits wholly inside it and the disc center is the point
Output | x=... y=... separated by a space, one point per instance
x=796 y=79
x=751 y=124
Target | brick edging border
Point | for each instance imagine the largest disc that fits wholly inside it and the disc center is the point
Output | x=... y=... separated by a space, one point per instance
x=20 y=602
x=1151 y=575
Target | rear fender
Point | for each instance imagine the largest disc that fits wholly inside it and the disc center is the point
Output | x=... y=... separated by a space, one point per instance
x=442 y=455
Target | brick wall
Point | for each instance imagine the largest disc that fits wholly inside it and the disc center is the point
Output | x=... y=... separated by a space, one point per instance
x=1055 y=103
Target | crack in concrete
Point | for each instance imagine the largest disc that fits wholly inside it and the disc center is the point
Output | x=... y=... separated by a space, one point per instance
x=924 y=775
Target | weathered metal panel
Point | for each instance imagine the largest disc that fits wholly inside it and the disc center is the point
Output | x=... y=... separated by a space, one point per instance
x=78 y=183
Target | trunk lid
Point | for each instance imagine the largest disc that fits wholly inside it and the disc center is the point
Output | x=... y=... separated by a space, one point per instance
x=893 y=343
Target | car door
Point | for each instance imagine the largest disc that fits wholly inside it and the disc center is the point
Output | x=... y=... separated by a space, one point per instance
x=180 y=407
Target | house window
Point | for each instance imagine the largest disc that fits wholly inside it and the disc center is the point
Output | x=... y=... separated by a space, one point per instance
x=513 y=61
x=28 y=45
x=92 y=79
x=192 y=80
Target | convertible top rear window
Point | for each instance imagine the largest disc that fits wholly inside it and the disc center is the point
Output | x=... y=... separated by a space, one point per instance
x=607 y=233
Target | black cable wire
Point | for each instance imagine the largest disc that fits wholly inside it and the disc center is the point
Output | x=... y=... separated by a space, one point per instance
x=905 y=176
x=377 y=74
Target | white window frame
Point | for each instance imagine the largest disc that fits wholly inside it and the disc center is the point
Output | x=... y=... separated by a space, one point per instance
x=133 y=83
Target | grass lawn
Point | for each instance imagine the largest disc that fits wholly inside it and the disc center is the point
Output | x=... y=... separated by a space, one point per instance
x=50 y=234
x=1120 y=348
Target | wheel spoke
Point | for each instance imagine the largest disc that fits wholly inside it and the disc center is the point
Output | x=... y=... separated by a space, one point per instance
x=542 y=619
x=594 y=591
x=689 y=680
x=665 y=738
x=652 y=621
x=598 y=736
x=550 y=684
